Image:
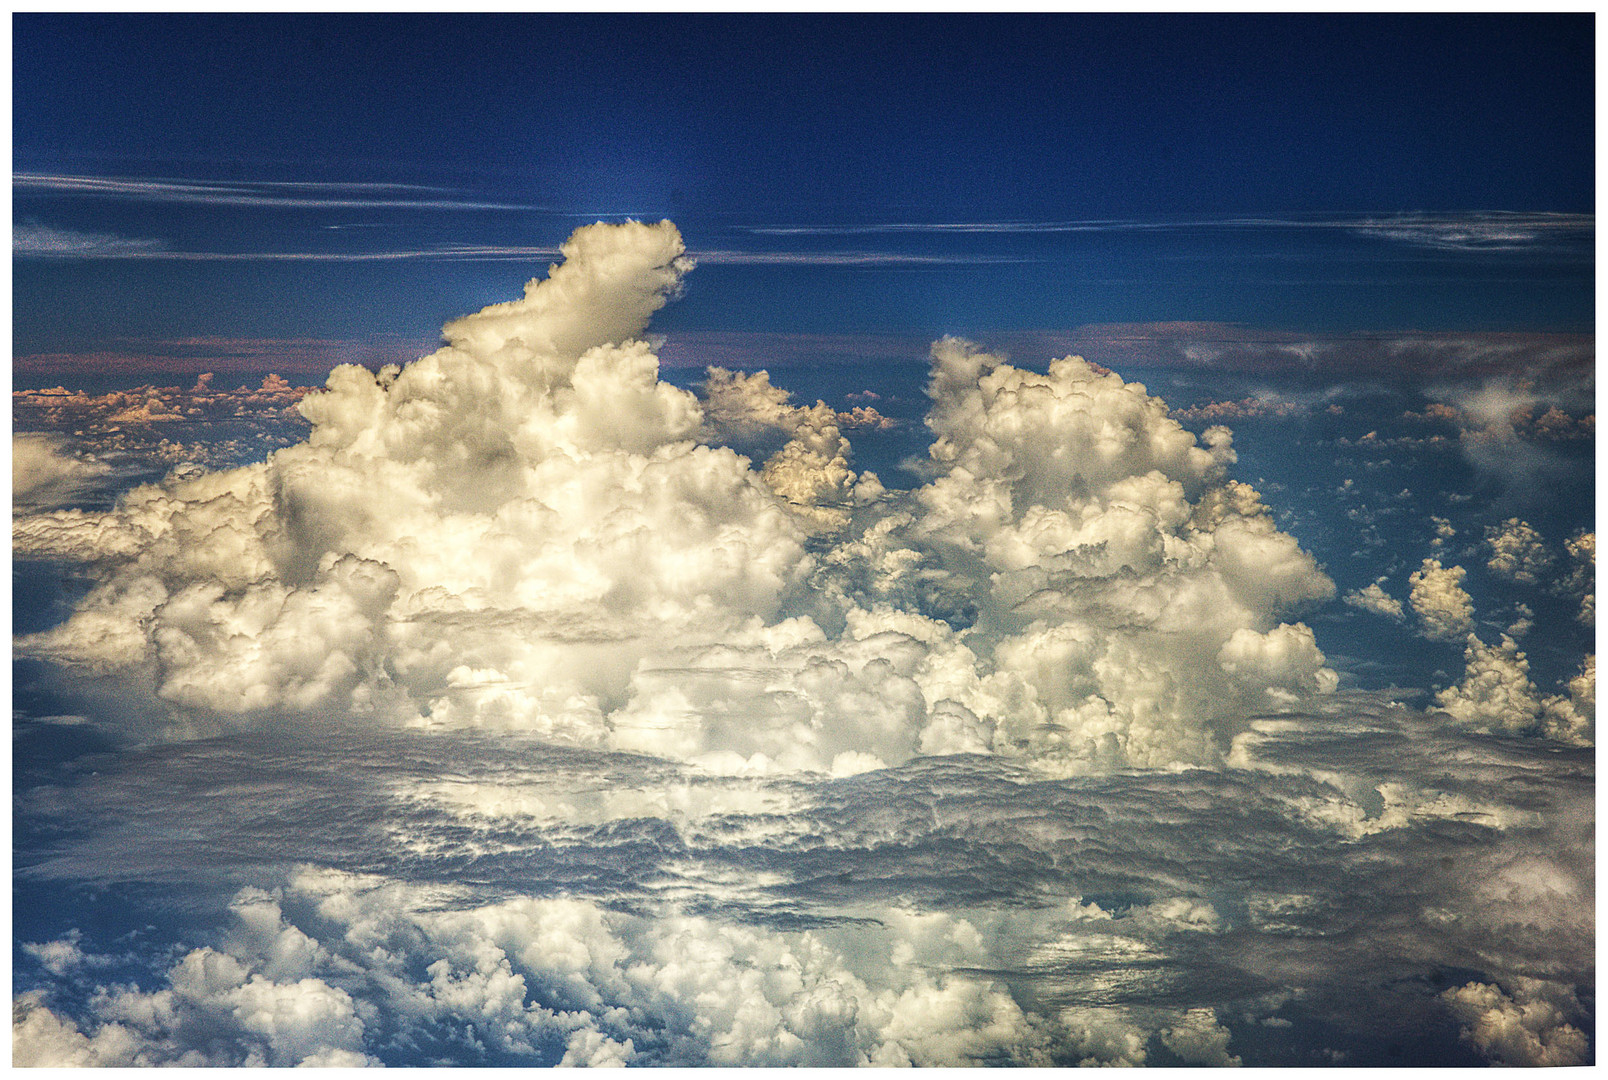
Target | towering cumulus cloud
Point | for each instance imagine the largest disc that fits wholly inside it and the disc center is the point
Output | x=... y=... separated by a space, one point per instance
x=532 y=710
x=524 y=530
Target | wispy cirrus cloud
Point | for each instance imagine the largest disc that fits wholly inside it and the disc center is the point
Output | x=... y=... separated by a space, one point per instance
x=1474 y=231
x=264 y=193
x=42 y=241
x=110 y=247
x=1481 y=232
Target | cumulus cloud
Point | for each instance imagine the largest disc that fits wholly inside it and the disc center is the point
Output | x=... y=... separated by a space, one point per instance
x=1528 y=1027
x=1582 y=579
x=162 y=426
x=528 y=529
x=1375 y=599
x=555 y=715
x=1243 y=409
x=252 y=1004
x=48 y=470
x=274 y=398
x=1517 y=552
x=528 y=979
x=1445 y=611
x=1497 y=694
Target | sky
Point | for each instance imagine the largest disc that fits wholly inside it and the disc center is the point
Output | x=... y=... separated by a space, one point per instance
x=803 y=540
x=365 y=177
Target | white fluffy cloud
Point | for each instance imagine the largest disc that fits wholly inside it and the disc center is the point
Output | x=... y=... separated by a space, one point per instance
x=1444 y=609
x=1582 y=580
x=1496 y=694
x=1517 y=552
x=612 y=724
x=525 y=976
x=46 y=470
x=1375 y=599
x=524 y=530
x=1527 y=1028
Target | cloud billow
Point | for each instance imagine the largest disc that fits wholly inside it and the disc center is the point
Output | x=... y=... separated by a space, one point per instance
x=524 y=530
x=559 y=731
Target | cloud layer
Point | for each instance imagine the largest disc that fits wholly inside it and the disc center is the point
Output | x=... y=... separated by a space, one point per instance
x=495 y=899
x=532 y=710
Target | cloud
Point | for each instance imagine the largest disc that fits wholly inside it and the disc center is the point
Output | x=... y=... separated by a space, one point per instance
x=1374 y=598
x=1444 y=609
x=1477 y=232
x=1517 y=552
x=1244 y=409
x=529 y=710
x=43 y=242
x=1528 y=1028
x=273 y=398
x=1484 y=232
x=46 y=470
x=614 y=555
x=852 y=258
x=1516 y=425
x=518 y=902
x=70 y=245
x=32 y=239
x=1563 y=363
x=1444 y=531
x=157 y=427
x=1582 y=579
x=201 y=355
x=1496 y=694
x=262 y=193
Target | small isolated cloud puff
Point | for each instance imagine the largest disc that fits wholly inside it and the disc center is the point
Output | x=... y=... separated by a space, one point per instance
x=1517 y=552
x=527 y=529
x=1375 y=599
x=1444 y=531
x=1444 y=609
x=1528 y=1027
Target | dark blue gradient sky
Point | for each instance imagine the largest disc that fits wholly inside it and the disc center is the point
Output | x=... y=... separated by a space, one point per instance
x=352 y=177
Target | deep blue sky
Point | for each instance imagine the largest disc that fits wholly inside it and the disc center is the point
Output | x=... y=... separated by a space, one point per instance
x=1327 y=173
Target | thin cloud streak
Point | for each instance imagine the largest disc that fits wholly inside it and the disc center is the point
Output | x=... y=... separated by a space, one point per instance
x=287 y=194
x=1490 y=231
x=30 y=238
x=57 y=244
